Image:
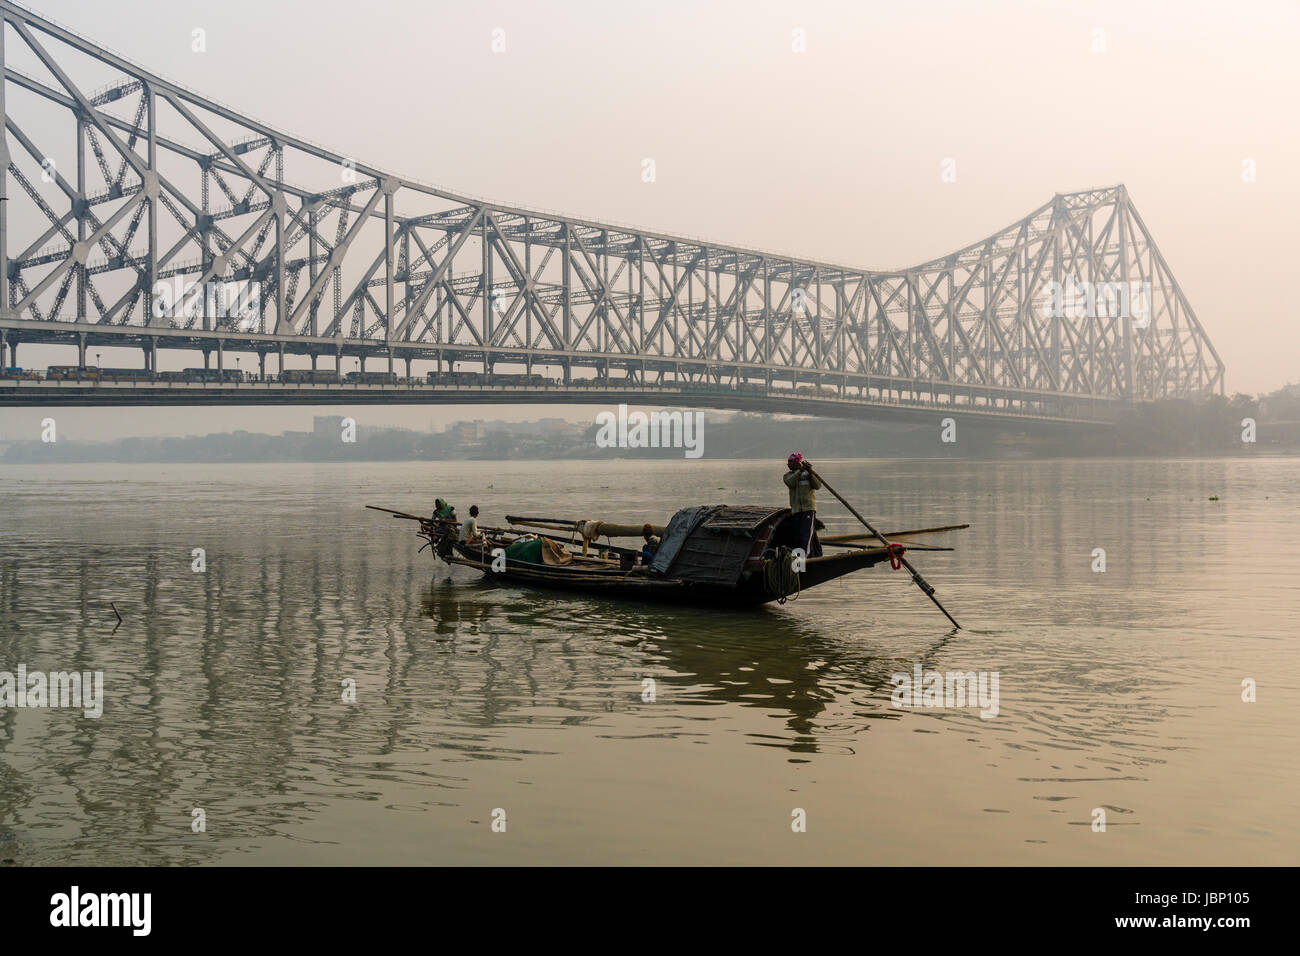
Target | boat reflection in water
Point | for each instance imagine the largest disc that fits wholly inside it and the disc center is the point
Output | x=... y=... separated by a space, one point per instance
x=770 y=660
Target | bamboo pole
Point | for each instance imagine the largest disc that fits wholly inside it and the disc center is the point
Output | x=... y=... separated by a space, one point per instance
x=400 y=514
x=603 y=529
x=916 y=575
x=891 y=535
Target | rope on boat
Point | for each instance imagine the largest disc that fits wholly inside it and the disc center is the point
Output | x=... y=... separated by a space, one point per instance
x=780 y=578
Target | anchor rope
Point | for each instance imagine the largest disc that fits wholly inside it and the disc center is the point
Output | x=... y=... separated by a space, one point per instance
x=780 y=578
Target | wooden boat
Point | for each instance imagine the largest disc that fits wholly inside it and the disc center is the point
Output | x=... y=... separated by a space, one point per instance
x=709 y=554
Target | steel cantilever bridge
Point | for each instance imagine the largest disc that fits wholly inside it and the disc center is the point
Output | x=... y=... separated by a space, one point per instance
x=138 y=213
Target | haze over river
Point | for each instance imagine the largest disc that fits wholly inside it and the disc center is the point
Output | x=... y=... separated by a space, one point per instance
x=224 y=689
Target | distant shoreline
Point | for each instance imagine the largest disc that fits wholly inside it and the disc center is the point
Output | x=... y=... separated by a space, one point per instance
x=1173 y=456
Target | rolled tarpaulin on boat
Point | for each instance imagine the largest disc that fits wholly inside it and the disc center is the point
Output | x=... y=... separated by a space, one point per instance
x=588 y=528
x=594 y=530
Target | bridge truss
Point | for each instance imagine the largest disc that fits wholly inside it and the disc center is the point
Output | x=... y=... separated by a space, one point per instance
x=124 y=190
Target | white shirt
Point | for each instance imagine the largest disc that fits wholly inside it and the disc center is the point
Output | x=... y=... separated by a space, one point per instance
x=469 y=529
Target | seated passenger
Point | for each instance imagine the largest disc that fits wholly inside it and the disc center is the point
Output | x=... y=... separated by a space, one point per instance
x=651 y=546
x=469 y=530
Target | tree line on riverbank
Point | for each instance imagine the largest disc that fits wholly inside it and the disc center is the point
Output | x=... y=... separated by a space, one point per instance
x=1240 y=424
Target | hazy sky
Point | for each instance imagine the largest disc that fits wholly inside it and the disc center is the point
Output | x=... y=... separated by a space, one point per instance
x=833 y=154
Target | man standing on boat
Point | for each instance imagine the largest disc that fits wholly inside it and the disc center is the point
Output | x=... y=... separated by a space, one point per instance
x=803 y=485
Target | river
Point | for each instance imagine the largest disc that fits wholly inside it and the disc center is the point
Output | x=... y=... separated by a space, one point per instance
x=593 y=732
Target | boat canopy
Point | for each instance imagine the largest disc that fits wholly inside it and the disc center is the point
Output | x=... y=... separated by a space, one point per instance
x=709 y=544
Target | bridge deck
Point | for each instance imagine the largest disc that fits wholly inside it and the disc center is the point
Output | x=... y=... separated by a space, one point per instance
x=72 y=393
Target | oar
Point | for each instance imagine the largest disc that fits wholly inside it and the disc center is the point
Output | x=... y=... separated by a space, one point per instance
x=916 y=575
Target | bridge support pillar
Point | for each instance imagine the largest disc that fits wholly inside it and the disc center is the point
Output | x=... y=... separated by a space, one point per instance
x=221 y=355
x=338 y=362
x=207 y=358
x=390 y=361
x=4 y=348
x=13 y=351
x=314 y=357
x=408 y=368
x=279 y=369
x=81 y=349
x=261 y=365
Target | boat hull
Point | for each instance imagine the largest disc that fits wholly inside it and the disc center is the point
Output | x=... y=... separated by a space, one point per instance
x=750 y=591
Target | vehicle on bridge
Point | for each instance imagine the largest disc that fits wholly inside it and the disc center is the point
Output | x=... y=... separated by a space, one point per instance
x=372 y=378
x=455 y=378
x=125 y=375
x=224 y=376
x=75 y=373
x=309 y=376
x=23 y=374
x=601 y=380
x=521 y=381
x=814 y=391
x=724 y=388
x=191 y=375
